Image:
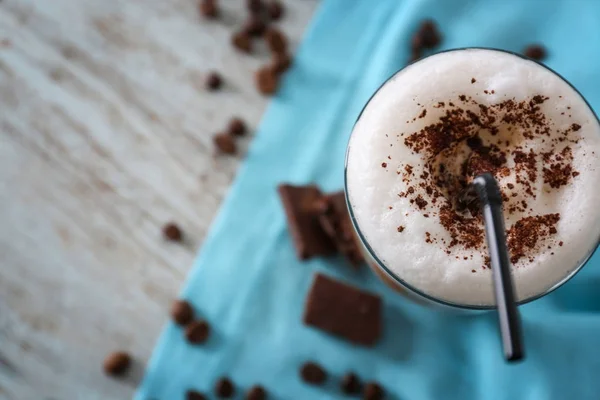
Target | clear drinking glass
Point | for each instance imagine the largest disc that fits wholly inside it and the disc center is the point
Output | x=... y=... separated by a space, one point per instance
x=401 y=286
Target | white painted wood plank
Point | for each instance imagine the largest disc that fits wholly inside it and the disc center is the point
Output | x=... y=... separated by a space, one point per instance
x=105 y=134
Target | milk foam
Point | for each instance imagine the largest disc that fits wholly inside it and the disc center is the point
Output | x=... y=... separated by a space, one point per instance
x=374 y=191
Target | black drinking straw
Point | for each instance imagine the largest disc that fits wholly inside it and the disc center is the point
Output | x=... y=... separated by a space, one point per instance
x=508 y=314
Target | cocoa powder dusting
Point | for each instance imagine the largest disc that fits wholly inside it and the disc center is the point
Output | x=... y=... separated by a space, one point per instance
x=486 y=138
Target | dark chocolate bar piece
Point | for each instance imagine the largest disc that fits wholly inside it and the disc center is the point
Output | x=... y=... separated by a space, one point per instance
x=302 y=212
x=344 y=311
x=335 y=220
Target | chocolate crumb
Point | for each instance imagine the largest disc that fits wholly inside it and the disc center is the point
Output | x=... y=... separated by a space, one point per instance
x=560 y=243
x=256 y=392
x=383 y=164
x=267 y=80
x=400 y=228
x=281 y=62
x=242 y=42
x=275 y=10
x=255 y=26
x=236 y=127
x=194 y=395
x=373 y=391
x=276 y=40
x=473 y=80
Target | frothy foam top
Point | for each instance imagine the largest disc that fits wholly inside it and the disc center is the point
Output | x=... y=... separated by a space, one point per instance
x=441 y=121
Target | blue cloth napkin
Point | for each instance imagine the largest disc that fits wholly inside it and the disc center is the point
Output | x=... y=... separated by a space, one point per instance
x=248 y=283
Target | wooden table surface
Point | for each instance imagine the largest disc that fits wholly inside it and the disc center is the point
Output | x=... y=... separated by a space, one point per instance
x=105 y=135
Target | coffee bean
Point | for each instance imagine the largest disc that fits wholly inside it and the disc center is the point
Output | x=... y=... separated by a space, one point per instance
x=194 y=395
x=256 y=392
x=430 y=35
x=276 y=40
x=224 y=388
x=373 y=391
x=209 y=9
x=172 y=232
x=313 y=374
x=242 y=42
x=255 y=26
x=536 y=52
x=182 y=312
x=117 y=363
x=275 y=10
x=254 y=6
x=213 y=81
x=267 y=80
x=236 y=127
x=350 y=383
x=197 y=332
x=224 y=143
x=281 y=62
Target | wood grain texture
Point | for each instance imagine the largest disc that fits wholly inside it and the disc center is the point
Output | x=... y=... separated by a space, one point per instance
x=105 y=135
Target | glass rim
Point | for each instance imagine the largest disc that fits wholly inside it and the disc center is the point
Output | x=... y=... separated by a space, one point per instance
x=402 y=282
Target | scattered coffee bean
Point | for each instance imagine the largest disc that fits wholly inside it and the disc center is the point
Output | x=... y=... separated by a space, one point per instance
x=255 y=26
x=224 y=143
x=209 y=9
x=281 y=62
x=276 y=40
x=373 y=391
x=242 y=42
x=275 y=10
x=224 y=388
x=350 y=384
x=254 y=6
x=182 y=312
x=194 y=395
x=236 y=127
x=535 y=51
x=313 y=374
x=213 y=81
x=267 y=80
x=197 y=332
x=430 y=36
x=256 y=392
x=117 y=363
x=172 y=232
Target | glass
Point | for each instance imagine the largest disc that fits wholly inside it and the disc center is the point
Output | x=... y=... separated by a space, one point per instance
x=396 y=282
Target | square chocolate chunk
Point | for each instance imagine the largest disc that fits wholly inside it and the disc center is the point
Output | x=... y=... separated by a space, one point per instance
x=335 y=220
x=344 y=311
x=302 y=212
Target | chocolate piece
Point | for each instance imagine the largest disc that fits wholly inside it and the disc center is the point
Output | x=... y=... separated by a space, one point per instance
x=313 y=374
x=275 y=10
x=224 y=143
x=194 y=395
x=344 y=311
x=172 y=232
x=197 y=332
x=281 y=62
x=373 y=391
x=255 y=26
x=350 y=383
x=335 y=220
x=209 y=9
x=236 y=127
x=309 y=238
x=117 y=363
x=535 y=51
x=256 y=392
x=276 y=40
x=213 y=81
x=224 y=388
x=182 y=312
x=267 y=80
x=254 y=6
x=242 y=42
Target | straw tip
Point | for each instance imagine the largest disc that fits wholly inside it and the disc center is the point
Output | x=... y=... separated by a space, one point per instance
x=515 y=357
